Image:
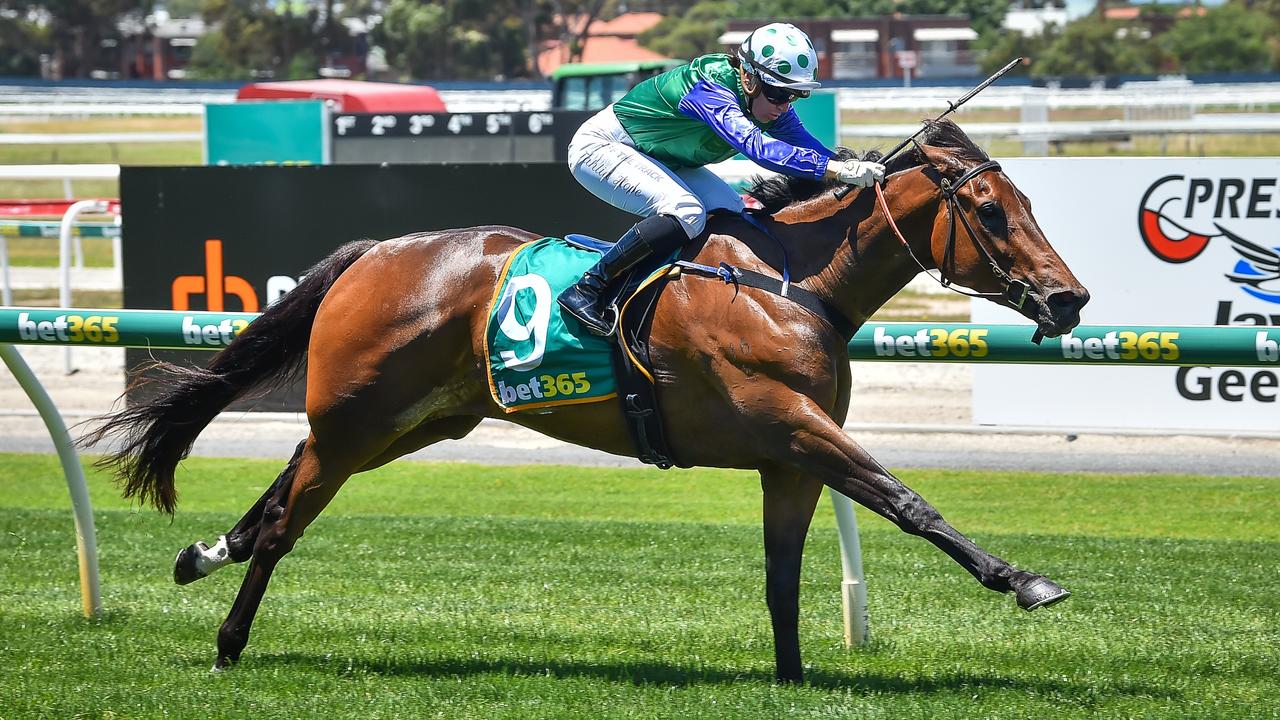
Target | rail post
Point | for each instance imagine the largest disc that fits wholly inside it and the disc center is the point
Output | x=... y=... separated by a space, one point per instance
x=86 y=536
x=853 y=586
x=64 y=261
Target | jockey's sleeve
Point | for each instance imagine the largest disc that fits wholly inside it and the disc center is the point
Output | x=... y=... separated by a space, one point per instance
x=717 y=106
x=788 y=128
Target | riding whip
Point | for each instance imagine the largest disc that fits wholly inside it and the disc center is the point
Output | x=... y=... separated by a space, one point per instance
x=951 y=107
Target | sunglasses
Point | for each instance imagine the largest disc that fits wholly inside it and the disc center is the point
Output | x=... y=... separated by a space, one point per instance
x=781 y=96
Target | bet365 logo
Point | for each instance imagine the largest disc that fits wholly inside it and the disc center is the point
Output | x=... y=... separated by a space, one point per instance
x=215 y=285
x=1175 y=212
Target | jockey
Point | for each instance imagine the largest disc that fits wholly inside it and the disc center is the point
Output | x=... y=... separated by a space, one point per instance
x=646 y=153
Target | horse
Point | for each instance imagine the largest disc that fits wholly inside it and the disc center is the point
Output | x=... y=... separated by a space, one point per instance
x=392 y=334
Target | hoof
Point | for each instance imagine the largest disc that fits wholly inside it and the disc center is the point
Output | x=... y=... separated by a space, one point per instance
x=1041 y=592
x=185 y=569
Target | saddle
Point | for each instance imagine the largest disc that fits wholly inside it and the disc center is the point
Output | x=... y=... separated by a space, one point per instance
x=635 y=301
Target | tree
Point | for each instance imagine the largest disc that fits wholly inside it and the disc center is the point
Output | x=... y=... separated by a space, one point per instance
x=413 y=34
x=984 y=15
x=691 y=34
x=21 y=44
x=454 y=38
x=1225 y=39
x=249 y=38
x=1092 y=46
x=573 y=21
x=999 y=47
x=76 y=28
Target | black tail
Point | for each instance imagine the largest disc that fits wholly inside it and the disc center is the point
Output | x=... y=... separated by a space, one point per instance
x=158 y=433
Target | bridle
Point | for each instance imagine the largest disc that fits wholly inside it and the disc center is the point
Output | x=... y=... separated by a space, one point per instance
x=1012 y=291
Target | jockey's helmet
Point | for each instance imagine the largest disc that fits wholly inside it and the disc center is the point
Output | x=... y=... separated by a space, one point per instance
x=781 y=55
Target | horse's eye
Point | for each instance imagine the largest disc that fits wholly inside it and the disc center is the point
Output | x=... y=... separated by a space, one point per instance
x=992 y=216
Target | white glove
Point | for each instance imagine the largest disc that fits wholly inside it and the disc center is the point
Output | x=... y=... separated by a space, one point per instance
x=859 y=173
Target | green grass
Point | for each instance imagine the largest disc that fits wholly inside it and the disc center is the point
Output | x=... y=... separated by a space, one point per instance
x=48 y=297
x=166 y=153
x=43 y=252
x=177 y=153
x=461 y=591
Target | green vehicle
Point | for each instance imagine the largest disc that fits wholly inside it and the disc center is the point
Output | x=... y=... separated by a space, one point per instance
x=591 y=86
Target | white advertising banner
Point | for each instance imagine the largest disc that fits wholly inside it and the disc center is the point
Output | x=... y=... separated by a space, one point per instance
x=1157 y=241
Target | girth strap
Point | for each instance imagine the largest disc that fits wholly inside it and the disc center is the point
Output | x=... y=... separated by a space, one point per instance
x=734 y=275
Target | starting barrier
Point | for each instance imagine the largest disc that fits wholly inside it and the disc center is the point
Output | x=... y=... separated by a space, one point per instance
x=1228 y=346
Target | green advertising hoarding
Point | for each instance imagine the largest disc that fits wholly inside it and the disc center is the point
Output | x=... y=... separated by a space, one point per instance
x=275 y=132
x=820 y=113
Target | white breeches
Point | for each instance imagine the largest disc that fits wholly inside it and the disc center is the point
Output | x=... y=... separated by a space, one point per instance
x=604 y=159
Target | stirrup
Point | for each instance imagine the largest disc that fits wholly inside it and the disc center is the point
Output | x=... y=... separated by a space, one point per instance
x=589 y=318
x=611 y=308
x=617 y=316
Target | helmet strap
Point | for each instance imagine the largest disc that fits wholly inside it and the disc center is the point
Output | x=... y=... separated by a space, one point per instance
x=750 y=82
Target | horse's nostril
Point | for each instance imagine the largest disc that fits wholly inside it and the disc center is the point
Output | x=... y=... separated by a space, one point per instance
x=1066 y=301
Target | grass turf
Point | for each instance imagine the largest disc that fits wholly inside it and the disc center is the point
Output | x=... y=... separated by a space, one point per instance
x=437 y=590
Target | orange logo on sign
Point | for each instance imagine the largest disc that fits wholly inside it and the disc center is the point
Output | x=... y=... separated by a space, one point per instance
x=213 y=284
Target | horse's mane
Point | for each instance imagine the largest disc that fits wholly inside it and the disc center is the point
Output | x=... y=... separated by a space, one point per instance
x=779 y=191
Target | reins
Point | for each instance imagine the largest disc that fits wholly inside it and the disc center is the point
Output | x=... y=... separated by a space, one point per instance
x=1013 y=291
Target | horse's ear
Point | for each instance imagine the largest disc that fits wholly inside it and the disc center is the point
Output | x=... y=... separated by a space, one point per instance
x=943 y=160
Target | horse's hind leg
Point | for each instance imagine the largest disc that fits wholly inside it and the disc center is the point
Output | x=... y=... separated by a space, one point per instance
x=285 y=516
x=789 y=501
x=199 y=560
x=299 y=496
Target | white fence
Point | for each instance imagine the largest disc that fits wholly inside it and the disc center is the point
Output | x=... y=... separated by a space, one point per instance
x=1163 y=107
x=59 y=101
x=98 y=138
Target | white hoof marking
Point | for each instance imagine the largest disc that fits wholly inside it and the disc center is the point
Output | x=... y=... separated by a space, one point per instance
x=212 y=558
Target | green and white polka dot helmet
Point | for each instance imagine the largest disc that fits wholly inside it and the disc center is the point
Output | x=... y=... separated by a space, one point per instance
x=782 y=55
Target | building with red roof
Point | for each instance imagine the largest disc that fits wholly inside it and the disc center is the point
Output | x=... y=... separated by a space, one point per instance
x=607 y=41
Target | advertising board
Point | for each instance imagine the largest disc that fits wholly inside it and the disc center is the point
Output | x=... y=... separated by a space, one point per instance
x=294 y=132
x=1157 y=241
x=236 y=238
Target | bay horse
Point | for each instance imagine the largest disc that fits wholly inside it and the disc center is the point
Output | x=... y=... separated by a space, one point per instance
x=393 y=334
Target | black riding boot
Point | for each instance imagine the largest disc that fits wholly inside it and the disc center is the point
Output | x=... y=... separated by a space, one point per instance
x=587 y=300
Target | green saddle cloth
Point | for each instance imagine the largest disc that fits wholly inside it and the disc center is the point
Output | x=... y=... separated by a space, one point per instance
x=537 y=358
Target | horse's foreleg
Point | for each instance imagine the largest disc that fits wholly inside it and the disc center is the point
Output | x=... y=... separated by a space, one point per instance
x=285 y=516
x=820 y=446
x=789 y=501
x=199 y=560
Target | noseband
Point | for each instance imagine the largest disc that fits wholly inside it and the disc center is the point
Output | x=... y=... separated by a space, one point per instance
x=1012 y=291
